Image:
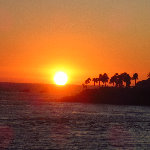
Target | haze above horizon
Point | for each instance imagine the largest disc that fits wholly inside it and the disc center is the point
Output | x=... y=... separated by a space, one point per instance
x=82 y=38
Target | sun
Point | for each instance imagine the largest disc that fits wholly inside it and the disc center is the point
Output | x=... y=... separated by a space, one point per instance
x=60 y=78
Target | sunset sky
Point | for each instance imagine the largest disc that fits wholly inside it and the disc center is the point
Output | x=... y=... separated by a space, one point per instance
x=80 y=37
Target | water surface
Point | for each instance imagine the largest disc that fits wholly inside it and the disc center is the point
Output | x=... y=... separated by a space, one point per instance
x=33 y=121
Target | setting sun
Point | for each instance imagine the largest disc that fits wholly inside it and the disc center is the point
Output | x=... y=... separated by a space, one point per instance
x=60 y=78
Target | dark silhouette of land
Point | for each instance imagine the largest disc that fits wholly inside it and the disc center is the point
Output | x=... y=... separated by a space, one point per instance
x=109 y=95
x=118 y=94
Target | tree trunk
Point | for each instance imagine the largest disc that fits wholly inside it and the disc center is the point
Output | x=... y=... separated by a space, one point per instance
x=135 y=82
x=94 y=83
x=99 y=83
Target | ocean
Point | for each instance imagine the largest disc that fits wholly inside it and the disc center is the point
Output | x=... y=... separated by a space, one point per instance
x=33 y=120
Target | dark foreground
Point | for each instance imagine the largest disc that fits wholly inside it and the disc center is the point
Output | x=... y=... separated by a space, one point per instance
x=31 y=121
x=110 y=95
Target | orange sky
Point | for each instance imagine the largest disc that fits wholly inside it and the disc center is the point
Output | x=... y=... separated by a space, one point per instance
x=83 y=38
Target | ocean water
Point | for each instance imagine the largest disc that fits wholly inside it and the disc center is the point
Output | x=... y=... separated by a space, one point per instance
x=35 y=121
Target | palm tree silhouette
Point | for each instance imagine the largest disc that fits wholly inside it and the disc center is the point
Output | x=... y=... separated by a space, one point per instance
x=116 y=77
x=100 y=78
x=95 y=80
x=118 y=80
x=126 y=78
x=87 y=81
x=148 y=75
x=135 y=77
x=112 y=80
x=105 y=78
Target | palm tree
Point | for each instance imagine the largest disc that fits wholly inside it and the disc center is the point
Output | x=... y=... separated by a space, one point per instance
x=118 y=80
x=112 y=80
x=105 y=78
x=116 y=75
x=95 y=80
x=135 y=77
x=87 y=81
x=100 y=78
x=148 y=75
x=126 y=78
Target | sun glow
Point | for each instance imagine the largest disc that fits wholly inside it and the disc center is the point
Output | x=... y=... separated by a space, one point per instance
x=60 y=78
